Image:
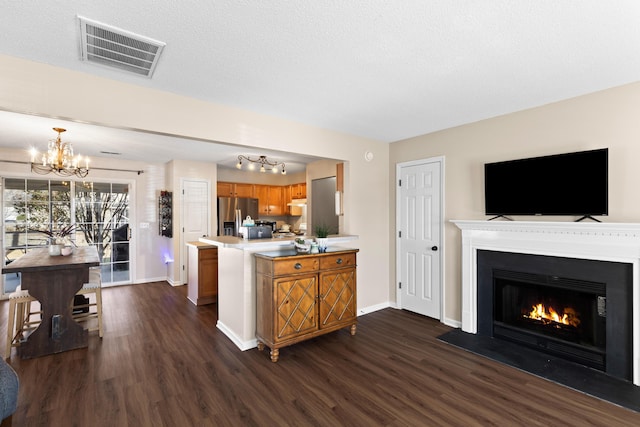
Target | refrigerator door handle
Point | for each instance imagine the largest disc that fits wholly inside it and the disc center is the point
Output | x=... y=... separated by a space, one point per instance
x=238 y=221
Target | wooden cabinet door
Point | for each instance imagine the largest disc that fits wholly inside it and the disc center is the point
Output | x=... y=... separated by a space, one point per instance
x=297 y=191
x=302 y=190
x=270 y=199
x=276 y=200
x=224 y=189
x=208 y=273
x=337 y=297
x=243 y=190
x=262 y=193
x=295 y=306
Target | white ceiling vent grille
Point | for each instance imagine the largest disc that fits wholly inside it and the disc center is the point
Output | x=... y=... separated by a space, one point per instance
x=113 y=47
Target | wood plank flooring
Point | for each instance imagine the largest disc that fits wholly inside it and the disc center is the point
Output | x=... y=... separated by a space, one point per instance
x=162 y=362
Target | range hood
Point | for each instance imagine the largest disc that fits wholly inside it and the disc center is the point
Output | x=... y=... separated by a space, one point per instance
x=298 y=202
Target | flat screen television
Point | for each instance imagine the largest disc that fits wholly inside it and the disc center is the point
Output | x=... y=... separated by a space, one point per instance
x=562 y=184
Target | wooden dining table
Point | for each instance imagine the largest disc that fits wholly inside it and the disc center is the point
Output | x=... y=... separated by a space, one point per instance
x=54 y=281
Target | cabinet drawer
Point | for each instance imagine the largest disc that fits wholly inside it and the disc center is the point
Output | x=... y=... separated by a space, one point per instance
x=337 y=261
x=294 y=266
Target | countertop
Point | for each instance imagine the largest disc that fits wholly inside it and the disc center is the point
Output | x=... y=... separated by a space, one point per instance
x=287 y=252
x=240 y=243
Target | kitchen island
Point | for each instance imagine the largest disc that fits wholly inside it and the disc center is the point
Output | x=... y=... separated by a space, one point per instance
x=237 y=281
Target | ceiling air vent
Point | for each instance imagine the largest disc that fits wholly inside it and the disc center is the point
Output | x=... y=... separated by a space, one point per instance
x=113 y=47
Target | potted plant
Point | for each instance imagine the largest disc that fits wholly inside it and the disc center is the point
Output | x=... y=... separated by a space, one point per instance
x=302 y=246
x=322 y=234
x=59 y=239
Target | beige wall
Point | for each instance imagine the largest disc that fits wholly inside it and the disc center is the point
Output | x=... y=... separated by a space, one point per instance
x=30 y=87
x=604 y=119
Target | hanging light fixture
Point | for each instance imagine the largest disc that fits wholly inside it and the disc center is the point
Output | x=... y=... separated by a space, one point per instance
x=262 y=161
x=59 y=159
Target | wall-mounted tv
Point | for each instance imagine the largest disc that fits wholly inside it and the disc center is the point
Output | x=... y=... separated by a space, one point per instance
x=562 y=184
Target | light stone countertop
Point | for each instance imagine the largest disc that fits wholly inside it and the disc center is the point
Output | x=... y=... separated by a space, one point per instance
x=254 y=244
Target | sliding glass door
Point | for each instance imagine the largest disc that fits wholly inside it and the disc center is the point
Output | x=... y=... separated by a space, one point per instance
x=99 y=210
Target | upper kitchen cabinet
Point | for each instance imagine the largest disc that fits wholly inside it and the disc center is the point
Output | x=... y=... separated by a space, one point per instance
x=235 y=189
x=298 y=191
x=271 y=199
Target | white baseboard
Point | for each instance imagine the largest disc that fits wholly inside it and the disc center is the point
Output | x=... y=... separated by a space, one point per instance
x=373 y=308
x=150 y=280
x=453 y=323
x=241 y=344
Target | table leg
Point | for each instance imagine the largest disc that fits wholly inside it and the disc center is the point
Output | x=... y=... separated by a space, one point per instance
x=57 y=331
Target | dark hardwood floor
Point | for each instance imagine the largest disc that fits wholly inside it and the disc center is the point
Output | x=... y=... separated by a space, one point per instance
x=162 y=362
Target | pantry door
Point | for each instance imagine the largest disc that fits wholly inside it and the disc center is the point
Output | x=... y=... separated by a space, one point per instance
x=419 y=235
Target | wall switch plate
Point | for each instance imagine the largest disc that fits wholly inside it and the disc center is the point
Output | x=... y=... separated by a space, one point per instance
x=144 y=225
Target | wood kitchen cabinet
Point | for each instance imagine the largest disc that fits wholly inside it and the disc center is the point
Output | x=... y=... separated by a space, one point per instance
x=270 y=199
x=298 y=191
x=302 y=296
x=202 y=285
x=235 y=189
x=294 y=191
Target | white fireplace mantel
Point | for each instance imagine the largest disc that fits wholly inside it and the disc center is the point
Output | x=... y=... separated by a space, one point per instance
x=616 y=242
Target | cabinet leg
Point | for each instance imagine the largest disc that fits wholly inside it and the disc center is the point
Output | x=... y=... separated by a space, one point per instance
x=260 y=346
x=353 y=329
x=274 y=354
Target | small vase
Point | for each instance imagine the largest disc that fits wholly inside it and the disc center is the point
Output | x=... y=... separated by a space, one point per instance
x=322 y=244
x=54 y=250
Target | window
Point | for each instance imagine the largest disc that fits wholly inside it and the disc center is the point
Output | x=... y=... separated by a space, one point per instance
x=99 y=210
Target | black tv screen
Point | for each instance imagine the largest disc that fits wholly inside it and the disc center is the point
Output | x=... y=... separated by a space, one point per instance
x=561 y=184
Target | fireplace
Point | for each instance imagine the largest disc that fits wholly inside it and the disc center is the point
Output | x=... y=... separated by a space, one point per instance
x=576 y=309
x=516 y=273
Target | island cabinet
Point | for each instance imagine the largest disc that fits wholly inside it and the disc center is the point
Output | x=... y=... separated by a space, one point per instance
x=202 y=285
x=301 y=296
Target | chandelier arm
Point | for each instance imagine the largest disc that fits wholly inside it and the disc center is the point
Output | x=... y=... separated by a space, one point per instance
x=60 y=160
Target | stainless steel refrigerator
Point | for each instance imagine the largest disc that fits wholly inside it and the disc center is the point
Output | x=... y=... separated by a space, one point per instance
x=232 y=211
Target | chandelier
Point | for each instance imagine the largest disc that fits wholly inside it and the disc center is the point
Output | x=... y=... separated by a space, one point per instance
x=262 y=161
x=59 y=159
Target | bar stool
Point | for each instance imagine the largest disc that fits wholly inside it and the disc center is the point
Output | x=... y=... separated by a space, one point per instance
x=93 y=287
x=19 y=319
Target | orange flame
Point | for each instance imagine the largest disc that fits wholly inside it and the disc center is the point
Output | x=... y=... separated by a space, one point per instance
x=568 y=316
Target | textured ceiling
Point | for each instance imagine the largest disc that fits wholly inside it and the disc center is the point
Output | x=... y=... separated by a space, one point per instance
x=381 y=69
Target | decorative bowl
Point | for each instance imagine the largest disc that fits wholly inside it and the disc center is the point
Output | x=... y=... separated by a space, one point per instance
x=302 y=248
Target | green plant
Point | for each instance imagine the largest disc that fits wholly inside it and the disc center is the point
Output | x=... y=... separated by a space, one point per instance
x=322 y=231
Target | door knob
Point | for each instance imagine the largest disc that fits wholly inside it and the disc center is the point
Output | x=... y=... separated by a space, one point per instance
x=434 y=248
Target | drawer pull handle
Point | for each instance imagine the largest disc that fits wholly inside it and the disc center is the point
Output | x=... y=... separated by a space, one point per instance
x=339 y=261
x=298 y=266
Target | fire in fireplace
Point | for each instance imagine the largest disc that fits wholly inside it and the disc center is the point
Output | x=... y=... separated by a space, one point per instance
x=562 y=317
x=577 y=309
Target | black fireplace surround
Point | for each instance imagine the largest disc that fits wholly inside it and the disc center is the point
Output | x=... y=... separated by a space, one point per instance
x=598 y=333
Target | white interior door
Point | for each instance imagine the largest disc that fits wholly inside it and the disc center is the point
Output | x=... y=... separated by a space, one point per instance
x=196 y=217
x=419 y=231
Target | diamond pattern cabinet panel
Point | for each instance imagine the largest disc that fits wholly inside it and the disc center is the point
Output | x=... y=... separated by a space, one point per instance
x=337 y=297
x=299 y=297
x=295 y=307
